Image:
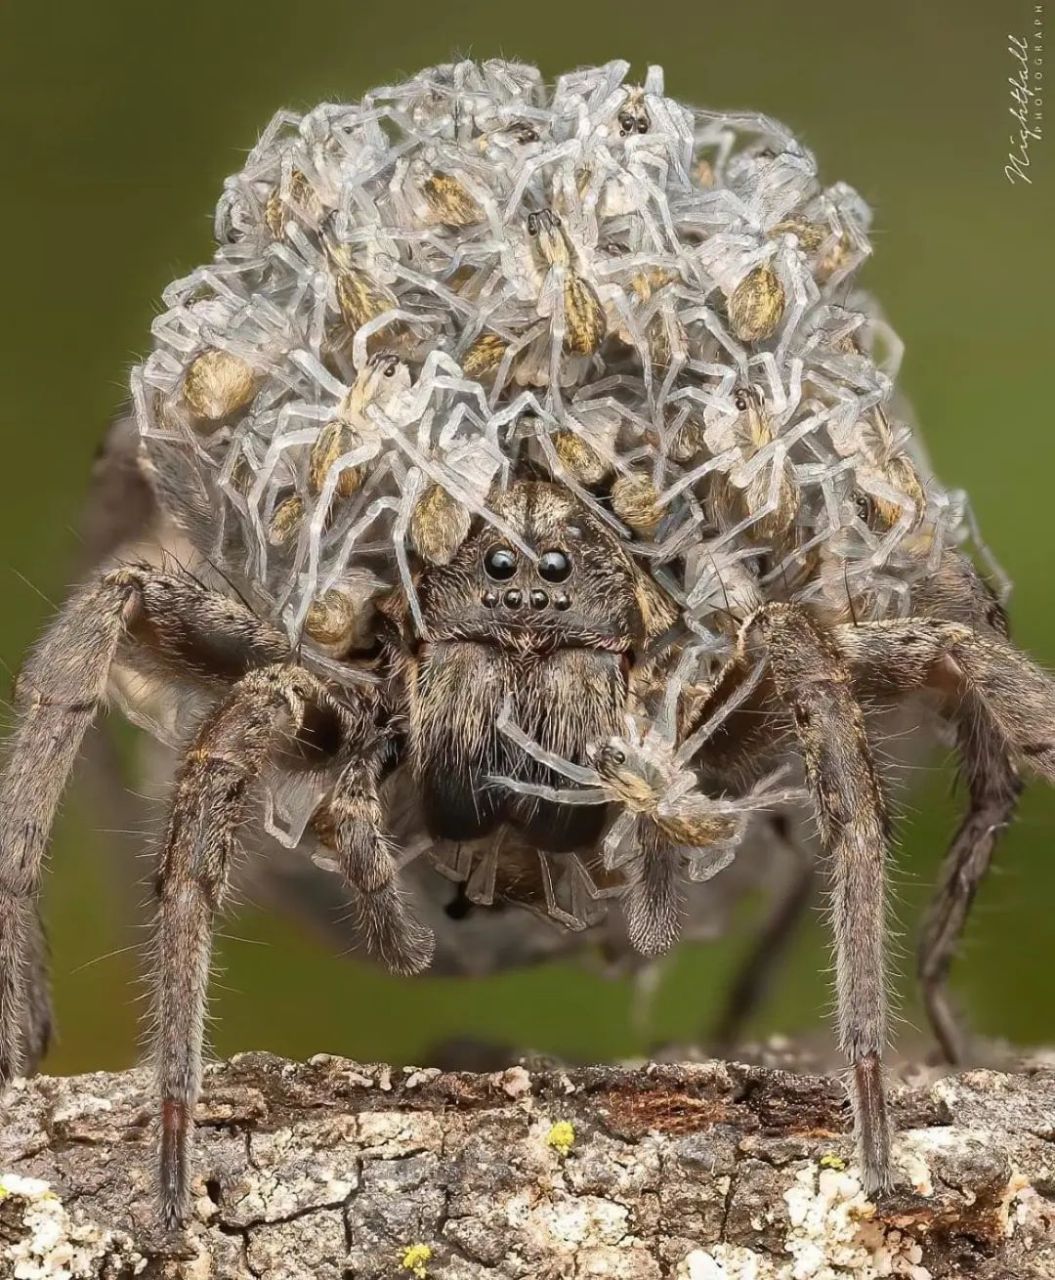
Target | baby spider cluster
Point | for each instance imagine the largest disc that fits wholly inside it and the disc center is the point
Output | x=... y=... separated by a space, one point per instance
x=544 y=500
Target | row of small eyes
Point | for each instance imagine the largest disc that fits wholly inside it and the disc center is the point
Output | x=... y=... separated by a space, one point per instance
x=501 y=563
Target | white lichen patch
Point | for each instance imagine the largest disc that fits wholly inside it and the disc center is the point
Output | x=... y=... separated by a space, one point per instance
x=631 y=1260
x=562 y=1223
x=77 y=1105
x=726 y=1262
x=1018 y=1199
x=420 y=1075
x=290 y=1171
x=55 y=1246
x=833 y=1232
x=278 y=1195
x=1028 y=1218
x=347 y=1073
x=833 y=1237
x=916 y=1172
x=390 y=1134
x=516 y=1082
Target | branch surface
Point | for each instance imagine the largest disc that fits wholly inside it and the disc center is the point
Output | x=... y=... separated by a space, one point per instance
x=715 y=1171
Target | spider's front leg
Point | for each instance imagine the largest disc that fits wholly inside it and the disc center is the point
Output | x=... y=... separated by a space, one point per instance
x=211 y=800
x=271 y=707
x=811 y=678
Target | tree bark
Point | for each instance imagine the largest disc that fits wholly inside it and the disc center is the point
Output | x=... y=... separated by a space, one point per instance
x=715 y=1171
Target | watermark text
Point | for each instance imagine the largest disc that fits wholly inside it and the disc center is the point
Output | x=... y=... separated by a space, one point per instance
x=1027 y=97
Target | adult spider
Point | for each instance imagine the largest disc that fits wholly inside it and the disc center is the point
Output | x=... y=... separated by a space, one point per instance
x=556 y=642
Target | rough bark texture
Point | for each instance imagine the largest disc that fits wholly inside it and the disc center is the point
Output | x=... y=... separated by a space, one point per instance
x=333 y=1170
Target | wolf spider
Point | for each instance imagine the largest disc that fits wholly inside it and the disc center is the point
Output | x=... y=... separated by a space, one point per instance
x=526 y=669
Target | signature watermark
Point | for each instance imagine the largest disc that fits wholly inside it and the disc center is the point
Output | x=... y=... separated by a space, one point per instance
x=1027 y=96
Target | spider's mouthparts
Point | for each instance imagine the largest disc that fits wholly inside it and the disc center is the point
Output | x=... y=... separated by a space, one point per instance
x=535 y=639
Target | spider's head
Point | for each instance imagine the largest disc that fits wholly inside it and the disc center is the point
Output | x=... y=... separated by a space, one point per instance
x=578 y=588
x=547 y=613
x=624 y=772
x=638 y=769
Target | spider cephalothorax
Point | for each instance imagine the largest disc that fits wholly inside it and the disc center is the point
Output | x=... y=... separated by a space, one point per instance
x=542 y=498
x=551 y=625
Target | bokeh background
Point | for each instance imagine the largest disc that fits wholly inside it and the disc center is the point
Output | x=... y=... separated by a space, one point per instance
x=119 y=121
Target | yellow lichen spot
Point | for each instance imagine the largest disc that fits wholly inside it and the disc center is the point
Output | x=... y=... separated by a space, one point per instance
x=832 y=1162
x=561 y=1137
x=415 y=1260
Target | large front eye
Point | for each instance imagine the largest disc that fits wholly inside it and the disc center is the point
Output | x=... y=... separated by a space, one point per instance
x=500 y=563
x=554 y=565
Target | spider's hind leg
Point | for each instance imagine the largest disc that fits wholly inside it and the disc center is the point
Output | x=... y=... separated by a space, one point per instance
x=994 y=787
x=166 y=622
x=1004 y=707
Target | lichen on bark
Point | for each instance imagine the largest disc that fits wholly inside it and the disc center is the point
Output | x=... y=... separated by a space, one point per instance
x=712 y=1171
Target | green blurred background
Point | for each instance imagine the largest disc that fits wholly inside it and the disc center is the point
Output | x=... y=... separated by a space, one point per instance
x=119 y=122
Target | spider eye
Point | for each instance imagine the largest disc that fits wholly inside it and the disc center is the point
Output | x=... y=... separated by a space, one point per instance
x=500 y=563
x=554 y=565
x=609 y=756
x=643 y=123
x=627 y=123
x=532 y=224
x=741 y=400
